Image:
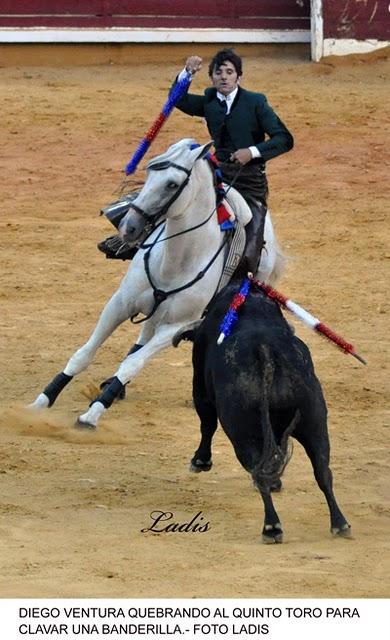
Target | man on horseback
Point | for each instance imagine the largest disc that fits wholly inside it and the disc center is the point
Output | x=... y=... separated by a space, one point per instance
x=238 y=121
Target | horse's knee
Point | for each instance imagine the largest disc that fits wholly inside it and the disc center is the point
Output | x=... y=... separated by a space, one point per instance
x=79 y=361
x=129 y=368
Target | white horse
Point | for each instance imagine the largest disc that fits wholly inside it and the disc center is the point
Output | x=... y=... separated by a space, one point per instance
x=174 y=274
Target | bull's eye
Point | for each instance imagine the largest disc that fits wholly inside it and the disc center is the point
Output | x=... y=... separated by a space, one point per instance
x=172 y=185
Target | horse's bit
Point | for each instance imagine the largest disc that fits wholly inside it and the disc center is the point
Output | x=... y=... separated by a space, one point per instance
x=152 y=219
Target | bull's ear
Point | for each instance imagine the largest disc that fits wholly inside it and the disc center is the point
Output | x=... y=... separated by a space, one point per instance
x=202 y=151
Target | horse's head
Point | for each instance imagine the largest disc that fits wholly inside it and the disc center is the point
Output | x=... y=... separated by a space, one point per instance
x=167 y=177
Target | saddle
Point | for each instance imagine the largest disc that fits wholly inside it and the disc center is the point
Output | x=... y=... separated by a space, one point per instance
x=245 y=235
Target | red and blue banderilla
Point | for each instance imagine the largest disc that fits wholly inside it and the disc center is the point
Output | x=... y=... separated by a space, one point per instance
x=177 y=92
x=306 y=317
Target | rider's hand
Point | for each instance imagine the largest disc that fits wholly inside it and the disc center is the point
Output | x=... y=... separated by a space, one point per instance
x=242 y=156
x=193 y=64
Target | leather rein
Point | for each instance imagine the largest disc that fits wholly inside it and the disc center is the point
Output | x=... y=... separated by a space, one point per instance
x=151 y=224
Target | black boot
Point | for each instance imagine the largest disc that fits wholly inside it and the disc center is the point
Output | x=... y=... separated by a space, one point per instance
x=254 y=237
x=115 y=249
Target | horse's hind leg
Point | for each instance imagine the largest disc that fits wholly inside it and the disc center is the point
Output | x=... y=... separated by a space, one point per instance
x=128 y=369
x=111 y=317
x=145 y=335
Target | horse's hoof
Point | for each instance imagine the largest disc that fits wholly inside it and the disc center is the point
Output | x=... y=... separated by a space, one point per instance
x=196 y=465
x=122 y=393
x=272 y=534
x=41 y=402
x=344 y=531
x=84 y=426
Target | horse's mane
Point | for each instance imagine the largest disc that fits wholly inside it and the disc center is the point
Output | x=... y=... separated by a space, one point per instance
x=173 y=152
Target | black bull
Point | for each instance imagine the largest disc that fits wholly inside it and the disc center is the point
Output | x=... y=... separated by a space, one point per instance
x=261 y=385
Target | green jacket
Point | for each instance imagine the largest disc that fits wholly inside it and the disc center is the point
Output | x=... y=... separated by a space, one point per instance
x=250 y=120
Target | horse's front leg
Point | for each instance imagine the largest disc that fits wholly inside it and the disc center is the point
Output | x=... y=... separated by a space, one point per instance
x=113 y=314
x=129 y=368
x=146 y=334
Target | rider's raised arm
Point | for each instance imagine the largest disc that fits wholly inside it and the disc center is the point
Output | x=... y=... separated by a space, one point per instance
x=191 y=104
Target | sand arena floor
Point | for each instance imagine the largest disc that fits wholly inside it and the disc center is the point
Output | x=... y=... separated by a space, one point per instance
x=73 y=505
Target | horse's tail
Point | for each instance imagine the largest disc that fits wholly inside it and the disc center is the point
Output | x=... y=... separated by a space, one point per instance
x=273 y=261
x=280 y=265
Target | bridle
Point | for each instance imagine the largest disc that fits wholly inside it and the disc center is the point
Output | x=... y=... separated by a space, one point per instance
x=151 y=224
x=151 y=220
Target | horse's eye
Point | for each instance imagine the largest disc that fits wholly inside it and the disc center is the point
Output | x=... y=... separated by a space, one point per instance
x=172 y=185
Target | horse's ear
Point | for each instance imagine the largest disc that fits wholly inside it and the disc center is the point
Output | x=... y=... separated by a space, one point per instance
x=203 y=150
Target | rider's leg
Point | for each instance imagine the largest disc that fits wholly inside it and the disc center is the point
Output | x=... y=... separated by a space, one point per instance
x=251 y=181
x=254 y=236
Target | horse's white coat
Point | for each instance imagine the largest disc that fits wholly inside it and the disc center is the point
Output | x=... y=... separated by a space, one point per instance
x=173 y=263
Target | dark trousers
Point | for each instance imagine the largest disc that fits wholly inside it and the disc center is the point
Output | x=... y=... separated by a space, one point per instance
x=251 y=181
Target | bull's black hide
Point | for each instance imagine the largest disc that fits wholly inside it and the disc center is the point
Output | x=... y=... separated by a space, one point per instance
x=261 y=385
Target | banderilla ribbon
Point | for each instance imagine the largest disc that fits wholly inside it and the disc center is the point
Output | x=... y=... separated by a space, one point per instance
x=306 y=317
x=178 y=91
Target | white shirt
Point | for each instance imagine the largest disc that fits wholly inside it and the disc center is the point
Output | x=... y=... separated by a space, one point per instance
x=229 y=99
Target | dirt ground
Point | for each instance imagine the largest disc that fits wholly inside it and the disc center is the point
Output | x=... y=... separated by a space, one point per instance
x=73 y=505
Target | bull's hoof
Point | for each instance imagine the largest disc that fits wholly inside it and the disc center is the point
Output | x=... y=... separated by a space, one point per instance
x=272 y=534
x=197 y=465
x=276 y=486
x=122 y=393
x=344 y=531
x=84 y=426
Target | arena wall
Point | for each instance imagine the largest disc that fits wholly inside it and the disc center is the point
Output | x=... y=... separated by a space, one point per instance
x=151 y=21
x=333 y=27
x=341 y=27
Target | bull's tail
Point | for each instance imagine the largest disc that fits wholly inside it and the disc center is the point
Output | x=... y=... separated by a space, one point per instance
x=274 y=456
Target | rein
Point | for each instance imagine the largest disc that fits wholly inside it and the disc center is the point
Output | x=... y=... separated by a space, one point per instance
x=197 y=226
x=159 y=294
x=152 y=219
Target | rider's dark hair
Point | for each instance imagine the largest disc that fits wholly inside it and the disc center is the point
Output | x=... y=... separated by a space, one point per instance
x=223 y=56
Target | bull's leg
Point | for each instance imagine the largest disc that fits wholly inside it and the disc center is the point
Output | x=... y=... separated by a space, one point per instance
x=251 y=458
x=312 y=433
x=113 y=314
x=256 y=449
x=129 y=368
x=323 y=475
x=201 y=460
x=272 y=529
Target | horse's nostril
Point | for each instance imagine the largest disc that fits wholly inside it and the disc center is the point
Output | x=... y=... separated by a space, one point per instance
x=129 y=233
